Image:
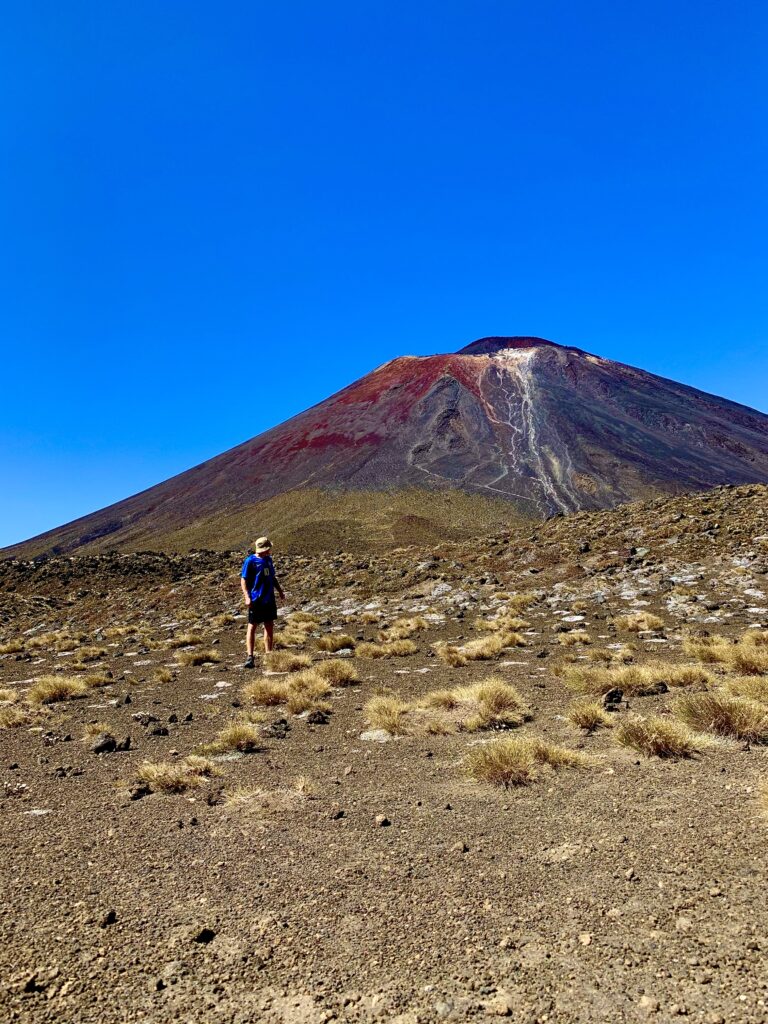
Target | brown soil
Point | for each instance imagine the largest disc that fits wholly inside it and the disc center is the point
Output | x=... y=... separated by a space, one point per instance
x=384 y=885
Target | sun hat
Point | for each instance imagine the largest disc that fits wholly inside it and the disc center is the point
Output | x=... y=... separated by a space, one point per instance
x=263 y=544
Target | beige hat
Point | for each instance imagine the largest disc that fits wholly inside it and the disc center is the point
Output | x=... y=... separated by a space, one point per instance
x=263 y=544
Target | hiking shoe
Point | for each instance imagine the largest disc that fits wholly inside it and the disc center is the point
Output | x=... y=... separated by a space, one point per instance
x=249 y=662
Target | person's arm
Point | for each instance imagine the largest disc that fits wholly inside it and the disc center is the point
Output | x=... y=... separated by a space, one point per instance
x=279 y=589
x=243 y=584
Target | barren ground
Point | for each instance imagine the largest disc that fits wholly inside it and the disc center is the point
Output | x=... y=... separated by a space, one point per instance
x=628 y=889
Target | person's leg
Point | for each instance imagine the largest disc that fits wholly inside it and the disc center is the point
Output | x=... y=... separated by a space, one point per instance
x=250 y=639
x=269 y=628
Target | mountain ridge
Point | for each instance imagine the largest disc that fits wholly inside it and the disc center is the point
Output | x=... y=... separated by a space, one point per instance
x=544 y=427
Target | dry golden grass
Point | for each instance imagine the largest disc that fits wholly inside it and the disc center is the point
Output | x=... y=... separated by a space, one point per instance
x=198 y=657
x=748 y=660
x=90 y=653
x=451 y=655
x=8 y=696
x=640 y=622
x=242 y=736
x=387 y=713
x=334 y=642
x=711 y=650
x=337 y=672
x=266 y=692
x=118 y=632
x=391 y=649
x=185 y=640
x=370 y=617
x=519 y=602
x=286 y=638
x=94 y=680
x=502 y=623
x=491 y=704
x=659 y=737
x=59 y=640
x=403 y=628
x=176 y=776
x=514 y=761
x=588 y=715
x=162 y=675
x=488 y=647
x=304 y=619
x=754 y=687
x=11 y=647
x=185 y=614
x=283 y=661
x=576 y=636
x=756 y=637
x=12 y=716
x=634 y=679
x=272 y=801
x=96 y=729
x=52 y=689
x=306 y=691
x=223 y=619
x=725 y=715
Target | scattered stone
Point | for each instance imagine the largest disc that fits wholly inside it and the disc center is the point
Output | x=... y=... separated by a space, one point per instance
x=382 y=821
x=109 y=918
x=104 y=743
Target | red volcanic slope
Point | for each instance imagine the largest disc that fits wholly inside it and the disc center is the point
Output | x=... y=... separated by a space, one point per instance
x=550 y=428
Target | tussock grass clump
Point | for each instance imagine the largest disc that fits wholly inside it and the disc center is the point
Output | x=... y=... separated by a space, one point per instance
x=162 y=675
x=725 y=715
x=306 y=691
x=640 y=622
x=391 y=649
x=303 y=619
x=198 y=657
x=176 y=776
x=266 y=692
x=8 y=696
x=451 y=655
x=283 y=661
x=712 y=650
x=242 y=736
x=12 y=716
x=90 y=653
x=223 y=619
x=748 y=660
x=491 y=704
x=387 y=713
x=756 y=638
x=303 y=691
x=588 y=715
x=59 y=640
x=96 y=729
x=659 y=737
x=119 y=632
x=337 y=672
x=11 y=647
x=519 y=602
x=488 y=647
x=286 y=638
x=370 y=617
x=403 y=628
x=754 y=687
x=94 y=680
x=574 y=637
x=185 y=640
x=334 y=642
x=53 y=689
x=514 y=761
x=501 y=624
x=634 y=680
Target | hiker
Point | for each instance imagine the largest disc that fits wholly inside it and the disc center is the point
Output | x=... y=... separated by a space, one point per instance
x=259 y=585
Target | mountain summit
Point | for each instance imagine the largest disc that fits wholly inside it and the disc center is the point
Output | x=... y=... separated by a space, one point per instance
x=542 y=427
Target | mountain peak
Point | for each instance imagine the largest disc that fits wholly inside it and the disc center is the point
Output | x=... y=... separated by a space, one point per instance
x=488 y=346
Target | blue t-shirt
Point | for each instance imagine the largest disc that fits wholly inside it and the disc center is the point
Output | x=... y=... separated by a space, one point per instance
x=259 y=576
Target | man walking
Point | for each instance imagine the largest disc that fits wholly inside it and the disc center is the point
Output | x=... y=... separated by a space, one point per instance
x=259 y=584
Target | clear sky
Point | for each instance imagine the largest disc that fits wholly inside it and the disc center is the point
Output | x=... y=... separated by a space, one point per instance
x=217 y=214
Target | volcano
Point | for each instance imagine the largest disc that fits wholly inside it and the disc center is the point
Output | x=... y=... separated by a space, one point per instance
x=529 y=426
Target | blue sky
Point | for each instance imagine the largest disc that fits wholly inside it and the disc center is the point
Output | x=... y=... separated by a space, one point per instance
x=215 y=215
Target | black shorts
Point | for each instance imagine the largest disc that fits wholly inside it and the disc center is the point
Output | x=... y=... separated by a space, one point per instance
x=262 y=611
